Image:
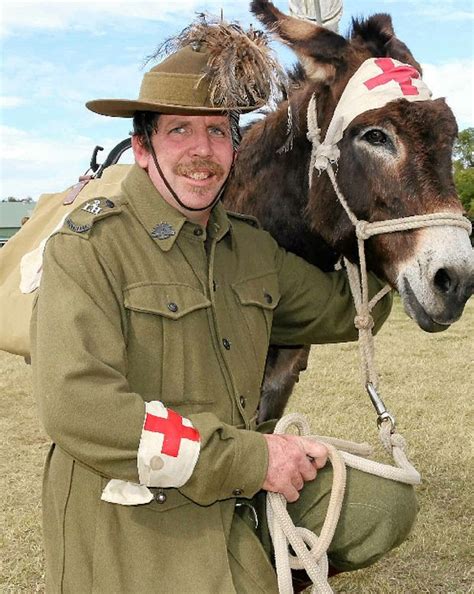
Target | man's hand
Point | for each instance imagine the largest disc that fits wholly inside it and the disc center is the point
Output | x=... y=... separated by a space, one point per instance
x=292 y=460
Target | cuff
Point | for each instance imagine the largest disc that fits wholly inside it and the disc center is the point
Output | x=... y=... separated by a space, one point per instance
x=249 y=466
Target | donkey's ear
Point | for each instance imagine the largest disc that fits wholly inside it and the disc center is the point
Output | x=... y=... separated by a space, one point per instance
x=377 y=35
x=320 y=51
x=399 y=51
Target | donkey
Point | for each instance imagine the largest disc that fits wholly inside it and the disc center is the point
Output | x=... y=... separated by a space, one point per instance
x=395 y=161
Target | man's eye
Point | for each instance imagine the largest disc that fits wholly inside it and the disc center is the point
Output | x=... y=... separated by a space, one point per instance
x=215 y=131
x=178 y=130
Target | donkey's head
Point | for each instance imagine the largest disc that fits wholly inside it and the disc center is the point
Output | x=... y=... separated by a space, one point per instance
x=395 y=161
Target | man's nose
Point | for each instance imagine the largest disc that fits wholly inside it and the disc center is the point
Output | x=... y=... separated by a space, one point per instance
x=201 y=146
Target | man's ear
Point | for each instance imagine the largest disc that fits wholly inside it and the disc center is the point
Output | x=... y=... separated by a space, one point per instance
x=140 y=152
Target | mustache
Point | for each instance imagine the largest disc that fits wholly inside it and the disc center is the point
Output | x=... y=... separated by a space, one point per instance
x=199 y=164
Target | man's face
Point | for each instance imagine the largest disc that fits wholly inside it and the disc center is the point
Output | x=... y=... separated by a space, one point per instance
x=195 y=154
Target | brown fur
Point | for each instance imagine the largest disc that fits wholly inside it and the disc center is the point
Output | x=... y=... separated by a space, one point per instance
x=413 y=177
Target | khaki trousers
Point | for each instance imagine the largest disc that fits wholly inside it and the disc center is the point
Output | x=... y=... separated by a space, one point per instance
x=377 y=516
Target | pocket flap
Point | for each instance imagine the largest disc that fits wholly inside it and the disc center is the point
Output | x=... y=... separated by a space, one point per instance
x=165 y=299
x=262 y=291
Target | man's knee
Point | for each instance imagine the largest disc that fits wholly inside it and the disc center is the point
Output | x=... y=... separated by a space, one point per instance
x=377 y=516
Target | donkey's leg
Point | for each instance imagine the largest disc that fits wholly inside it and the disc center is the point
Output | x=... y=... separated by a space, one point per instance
x=281 y=373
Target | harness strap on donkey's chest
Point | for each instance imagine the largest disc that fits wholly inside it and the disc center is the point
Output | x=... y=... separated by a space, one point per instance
x=342 y=453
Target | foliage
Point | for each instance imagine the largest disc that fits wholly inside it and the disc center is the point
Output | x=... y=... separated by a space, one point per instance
x=28 y=200
x=464 y=148
x=464 y=180
x=463 y=155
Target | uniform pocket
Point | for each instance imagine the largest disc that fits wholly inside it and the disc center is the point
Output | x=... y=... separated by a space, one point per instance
x=261 y=293
x=165 y=321
x=258 y=298
x=169 y=300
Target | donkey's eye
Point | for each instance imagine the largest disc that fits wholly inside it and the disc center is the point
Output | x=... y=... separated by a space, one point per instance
x=375 y=137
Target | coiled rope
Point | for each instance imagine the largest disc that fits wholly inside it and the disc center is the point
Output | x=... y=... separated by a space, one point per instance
x=311 y=550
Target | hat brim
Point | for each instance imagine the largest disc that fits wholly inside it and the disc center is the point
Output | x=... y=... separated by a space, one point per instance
x=124 y=108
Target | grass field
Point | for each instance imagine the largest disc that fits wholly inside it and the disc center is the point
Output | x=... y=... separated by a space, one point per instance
x=426 y=381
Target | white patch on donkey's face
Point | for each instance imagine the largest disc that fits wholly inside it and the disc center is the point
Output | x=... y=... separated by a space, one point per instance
x=437 y=281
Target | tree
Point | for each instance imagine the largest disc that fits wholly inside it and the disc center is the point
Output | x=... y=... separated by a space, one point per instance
x=28 y=200
x=463 y=155
x=464 y=148
x=464 y=180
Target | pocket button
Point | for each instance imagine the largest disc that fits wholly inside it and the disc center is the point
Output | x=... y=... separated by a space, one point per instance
x=160 y=496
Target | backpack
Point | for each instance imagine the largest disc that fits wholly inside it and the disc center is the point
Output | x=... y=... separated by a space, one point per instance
x=21 y=256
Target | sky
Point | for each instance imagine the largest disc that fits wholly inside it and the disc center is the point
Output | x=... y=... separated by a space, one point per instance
x=56 y=55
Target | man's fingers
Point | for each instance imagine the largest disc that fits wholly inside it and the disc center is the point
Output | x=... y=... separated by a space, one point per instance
x=291 y=494
x=309 y=472
x=316 y=452
x=292 y=460
x=298 y=482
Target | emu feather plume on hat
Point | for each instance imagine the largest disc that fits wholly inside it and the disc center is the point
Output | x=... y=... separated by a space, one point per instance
x=211 y=66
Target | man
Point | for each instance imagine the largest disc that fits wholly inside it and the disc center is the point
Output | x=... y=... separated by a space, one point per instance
x=147 y=369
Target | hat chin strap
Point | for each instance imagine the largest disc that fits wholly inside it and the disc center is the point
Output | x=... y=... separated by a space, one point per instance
x=173 y=193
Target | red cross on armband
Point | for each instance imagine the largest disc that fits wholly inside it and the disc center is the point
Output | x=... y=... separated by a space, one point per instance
x=402 y=74
x=169 y=447
x=173 y=431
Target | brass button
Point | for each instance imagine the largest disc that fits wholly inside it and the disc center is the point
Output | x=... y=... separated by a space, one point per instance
x=242 y=401
x=172 y=307
x=226 y=344
x=160 y=496
x=198 y=231
x=268 y=298
x=237 y=492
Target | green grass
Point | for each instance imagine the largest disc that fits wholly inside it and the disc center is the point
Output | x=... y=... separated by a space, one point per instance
x=426 y=382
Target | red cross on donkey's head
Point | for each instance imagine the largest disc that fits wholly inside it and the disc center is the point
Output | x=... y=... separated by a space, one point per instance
x=402 y=74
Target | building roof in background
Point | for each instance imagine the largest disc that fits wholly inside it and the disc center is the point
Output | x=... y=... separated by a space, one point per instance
x=11 y=214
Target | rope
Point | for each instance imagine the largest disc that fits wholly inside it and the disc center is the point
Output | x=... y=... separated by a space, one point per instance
x=311 y=550
x=284 y=532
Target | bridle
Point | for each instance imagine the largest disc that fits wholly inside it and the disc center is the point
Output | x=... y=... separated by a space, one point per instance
x=310 y=550
x=322 y=159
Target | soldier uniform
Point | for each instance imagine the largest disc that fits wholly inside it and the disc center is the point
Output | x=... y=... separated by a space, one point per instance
x=184 y=319
x=148 y=370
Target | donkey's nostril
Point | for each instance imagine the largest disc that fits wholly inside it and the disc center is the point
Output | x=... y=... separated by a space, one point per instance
x=443 y=281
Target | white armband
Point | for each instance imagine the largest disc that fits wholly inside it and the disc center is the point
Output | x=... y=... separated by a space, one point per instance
x=168 y=452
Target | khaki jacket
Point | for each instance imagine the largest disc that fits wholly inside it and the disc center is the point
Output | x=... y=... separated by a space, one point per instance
x=138 y=304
